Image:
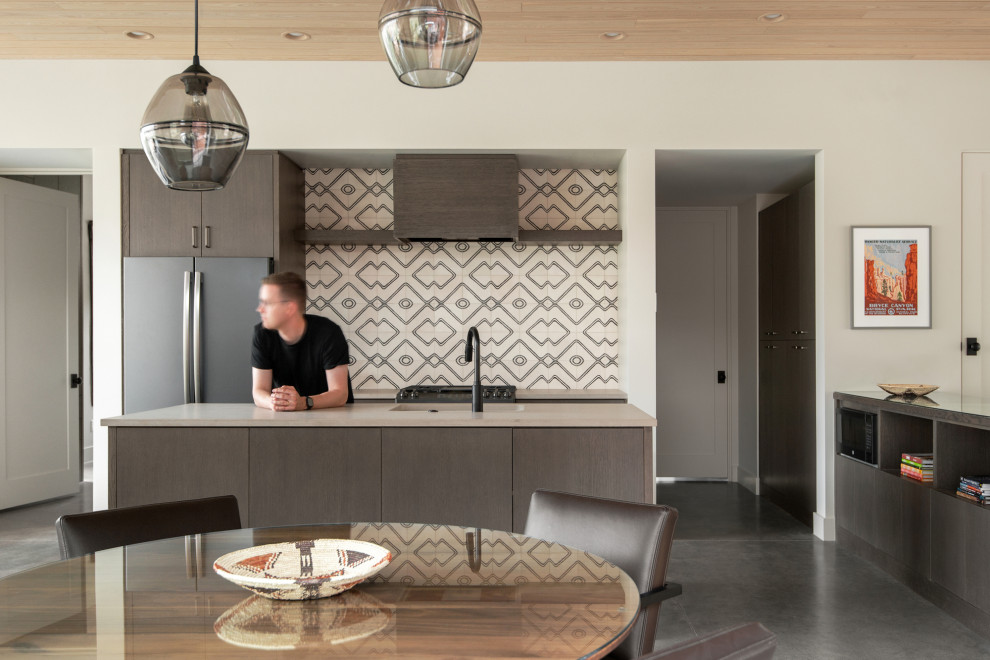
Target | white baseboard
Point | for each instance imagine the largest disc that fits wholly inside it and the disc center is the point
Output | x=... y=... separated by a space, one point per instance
x=824 y=528
x=748 y=480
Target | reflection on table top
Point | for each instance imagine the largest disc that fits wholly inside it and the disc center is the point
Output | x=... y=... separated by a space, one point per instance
x=449 y=591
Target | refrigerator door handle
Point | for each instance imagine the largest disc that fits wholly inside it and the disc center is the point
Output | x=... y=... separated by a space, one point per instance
x=185 y=336
x=197 y=361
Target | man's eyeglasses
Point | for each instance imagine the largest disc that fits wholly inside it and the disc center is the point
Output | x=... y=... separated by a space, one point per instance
x=266 y=305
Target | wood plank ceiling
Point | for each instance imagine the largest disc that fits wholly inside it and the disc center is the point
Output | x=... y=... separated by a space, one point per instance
x=514 y=30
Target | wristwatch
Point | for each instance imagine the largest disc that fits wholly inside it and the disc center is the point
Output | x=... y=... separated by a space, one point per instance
x=309 y=403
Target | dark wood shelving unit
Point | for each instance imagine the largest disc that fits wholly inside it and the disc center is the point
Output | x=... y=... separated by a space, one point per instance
x=346 y=237
x=570 y=237
x=921 y=533
x=526 y=237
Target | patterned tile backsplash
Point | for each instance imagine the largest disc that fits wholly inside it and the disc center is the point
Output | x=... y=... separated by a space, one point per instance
x=546 y=313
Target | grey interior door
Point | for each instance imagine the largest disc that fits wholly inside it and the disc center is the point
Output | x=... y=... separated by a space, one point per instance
x=153 y=331
x=39 y=343
x=692 y=343
x=229 y=303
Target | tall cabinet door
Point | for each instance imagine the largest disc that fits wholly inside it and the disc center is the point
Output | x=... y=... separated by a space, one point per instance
x=773 y=240
x=804 y=252
x=161 y=222
x=800 y=405
x=772 y=422
x=239 y=221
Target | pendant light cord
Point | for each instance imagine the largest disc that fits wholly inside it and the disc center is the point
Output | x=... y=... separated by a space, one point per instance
x=196 y=32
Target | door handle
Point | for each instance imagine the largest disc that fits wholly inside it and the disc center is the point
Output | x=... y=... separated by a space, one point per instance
x=721 y=376
x=206 y=236
x=74 y=380
x=771 y=347
x=195 y=236
x=972 y=346
x=197 y=352
x=185 y=336
x=800 y=348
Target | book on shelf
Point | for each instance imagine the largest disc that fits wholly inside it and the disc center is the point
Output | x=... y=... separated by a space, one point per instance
x=918 y=466
x=919 y=460
x=969 y=496
x=977 y=481
x=975 y=488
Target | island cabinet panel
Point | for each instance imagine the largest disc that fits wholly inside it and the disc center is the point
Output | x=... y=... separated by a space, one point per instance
x=902 y=513
x=959 y=561
x=915 y=548
x=455 y=476
x=315 y=475
x=604 y=462
x=151 y=465
x=849 y=482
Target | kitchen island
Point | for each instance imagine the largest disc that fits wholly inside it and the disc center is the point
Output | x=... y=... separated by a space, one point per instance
x=405 y=462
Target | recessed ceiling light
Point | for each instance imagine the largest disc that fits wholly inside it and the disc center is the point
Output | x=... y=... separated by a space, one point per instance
x=773 y=17
x=613 y=36
x=296 y=36
x=139 y=34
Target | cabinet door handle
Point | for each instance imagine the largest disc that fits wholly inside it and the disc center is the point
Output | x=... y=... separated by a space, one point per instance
x=800 y=348
x=195 y=236
x=793 y=332
x=206 y=237
x=771 y=347
x=771 y=333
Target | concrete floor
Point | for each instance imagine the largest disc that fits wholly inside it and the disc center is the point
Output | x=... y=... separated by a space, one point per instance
x=27 y=533
x=739 y=558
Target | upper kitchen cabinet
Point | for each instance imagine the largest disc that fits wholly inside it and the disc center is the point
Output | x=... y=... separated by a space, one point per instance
x=253 y=216
x=787 y=267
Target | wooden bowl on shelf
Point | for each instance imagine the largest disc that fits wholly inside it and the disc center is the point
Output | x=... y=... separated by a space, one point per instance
x=904 y=389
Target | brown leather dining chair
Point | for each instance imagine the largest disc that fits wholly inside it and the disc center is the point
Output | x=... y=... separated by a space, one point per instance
x=747 y=641
x=82 y=533
x=635 y=537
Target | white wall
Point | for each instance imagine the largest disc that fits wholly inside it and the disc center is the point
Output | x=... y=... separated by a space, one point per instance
x=747 y=331
x=891 y=134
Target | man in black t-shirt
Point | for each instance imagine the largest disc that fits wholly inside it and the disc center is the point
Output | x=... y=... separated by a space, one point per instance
x=298 y=361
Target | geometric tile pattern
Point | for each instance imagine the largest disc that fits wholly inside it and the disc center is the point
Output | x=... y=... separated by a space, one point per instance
x=546 y=314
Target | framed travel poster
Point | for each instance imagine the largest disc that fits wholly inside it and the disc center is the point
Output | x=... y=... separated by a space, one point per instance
x=892 y=277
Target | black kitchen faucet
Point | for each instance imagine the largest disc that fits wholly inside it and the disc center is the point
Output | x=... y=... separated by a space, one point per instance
x=476 y=404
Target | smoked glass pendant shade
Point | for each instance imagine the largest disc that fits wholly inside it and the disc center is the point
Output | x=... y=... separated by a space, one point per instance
x=194 y=131
x=430 y=43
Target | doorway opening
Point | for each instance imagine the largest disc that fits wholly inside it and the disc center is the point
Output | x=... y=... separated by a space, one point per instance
x=708 y=204
x=66 y=175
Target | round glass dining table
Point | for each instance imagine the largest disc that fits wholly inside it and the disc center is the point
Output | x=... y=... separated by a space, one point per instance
x=448 y=592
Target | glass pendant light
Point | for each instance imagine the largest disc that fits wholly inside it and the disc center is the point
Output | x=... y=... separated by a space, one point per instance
x=194 y=131
x=430 y=43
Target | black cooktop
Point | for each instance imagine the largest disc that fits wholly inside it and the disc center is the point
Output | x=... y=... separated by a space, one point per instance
x=438 y=393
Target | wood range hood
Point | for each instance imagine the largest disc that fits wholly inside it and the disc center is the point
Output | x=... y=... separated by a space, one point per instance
x=456 y=197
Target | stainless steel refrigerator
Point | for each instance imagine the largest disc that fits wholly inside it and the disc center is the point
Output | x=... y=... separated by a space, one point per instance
x=187 y=329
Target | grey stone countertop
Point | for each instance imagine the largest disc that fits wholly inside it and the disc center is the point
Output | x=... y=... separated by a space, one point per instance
x=518 y=415
x=521 y=395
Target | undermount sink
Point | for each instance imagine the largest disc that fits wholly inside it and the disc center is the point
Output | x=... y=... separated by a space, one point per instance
x=455 y=407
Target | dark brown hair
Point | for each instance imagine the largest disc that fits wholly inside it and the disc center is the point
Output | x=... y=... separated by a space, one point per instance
x=291 y=286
